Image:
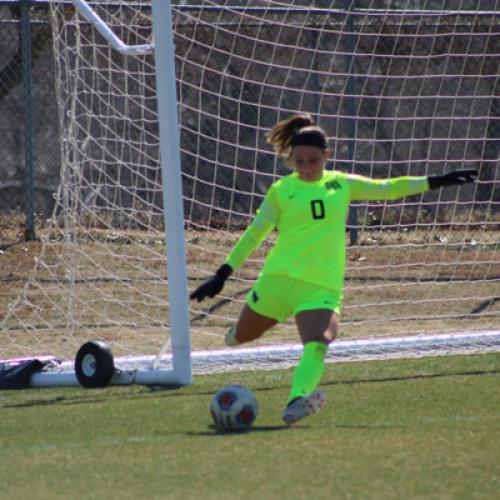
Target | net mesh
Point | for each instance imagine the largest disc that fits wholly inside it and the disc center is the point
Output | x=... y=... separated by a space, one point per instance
x=399 y=92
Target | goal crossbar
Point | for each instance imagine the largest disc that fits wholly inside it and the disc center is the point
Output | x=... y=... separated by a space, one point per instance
x=119 y=45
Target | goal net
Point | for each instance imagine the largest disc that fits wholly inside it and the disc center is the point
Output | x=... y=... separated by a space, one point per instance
x=399 y=92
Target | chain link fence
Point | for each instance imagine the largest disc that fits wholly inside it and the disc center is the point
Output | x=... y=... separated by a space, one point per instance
x=15 y=132
x=43 y=131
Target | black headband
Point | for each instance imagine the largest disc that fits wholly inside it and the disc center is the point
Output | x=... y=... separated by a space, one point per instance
x=309 y=138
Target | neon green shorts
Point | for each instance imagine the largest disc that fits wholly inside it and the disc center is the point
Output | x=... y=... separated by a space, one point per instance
x=279 y=297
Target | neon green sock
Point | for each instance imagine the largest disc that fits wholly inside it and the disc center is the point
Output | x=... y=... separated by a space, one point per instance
x=308 y=372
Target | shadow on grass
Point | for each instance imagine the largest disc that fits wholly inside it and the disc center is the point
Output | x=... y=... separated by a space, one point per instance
x=6 y=246
x=469 y=373
x=93 y=396
x=256 y=428
x=51 y=402
x=218 y=305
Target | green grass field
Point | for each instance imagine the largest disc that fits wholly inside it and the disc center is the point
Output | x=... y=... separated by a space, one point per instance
x=406 y=429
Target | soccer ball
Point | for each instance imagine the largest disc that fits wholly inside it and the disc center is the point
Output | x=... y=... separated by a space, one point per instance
x=234 y=408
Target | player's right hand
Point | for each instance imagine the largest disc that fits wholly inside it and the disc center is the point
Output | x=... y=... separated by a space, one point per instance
x=213 y=285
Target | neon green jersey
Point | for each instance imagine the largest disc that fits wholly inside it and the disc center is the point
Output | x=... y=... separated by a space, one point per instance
x=311 y=221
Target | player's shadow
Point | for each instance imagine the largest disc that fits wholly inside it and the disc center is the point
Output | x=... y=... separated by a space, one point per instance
x=424 y=376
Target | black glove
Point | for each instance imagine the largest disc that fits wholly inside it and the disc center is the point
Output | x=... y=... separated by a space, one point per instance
x=213 y=285
x=453 y=178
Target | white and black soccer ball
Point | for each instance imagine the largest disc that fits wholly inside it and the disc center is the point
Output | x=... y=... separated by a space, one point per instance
x=234 y=408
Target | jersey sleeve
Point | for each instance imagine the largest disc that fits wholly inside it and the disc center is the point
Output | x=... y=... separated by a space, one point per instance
x=365 y=188
x=264 y=222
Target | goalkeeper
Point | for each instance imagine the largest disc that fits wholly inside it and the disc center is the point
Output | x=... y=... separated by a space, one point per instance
x=303 y=274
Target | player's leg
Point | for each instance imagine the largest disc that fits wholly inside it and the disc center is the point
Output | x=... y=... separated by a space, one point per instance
x=317 y=325
x=266 y=305
x=251 y=325
x=317 y=328
x=317 y=318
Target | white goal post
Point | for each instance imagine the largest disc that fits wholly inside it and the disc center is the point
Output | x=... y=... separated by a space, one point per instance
x=179 y=370
x=163 y=113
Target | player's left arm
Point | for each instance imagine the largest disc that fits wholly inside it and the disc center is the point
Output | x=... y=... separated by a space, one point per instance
x=365 y=188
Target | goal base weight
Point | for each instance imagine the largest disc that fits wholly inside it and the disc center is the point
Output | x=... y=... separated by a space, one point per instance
x=139 y=369
x=94 y=364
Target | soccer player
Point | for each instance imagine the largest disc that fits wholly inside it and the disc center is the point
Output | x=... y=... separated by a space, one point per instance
x=303 y=274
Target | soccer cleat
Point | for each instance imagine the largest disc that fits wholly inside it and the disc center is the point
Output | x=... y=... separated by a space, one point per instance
x=303 y=407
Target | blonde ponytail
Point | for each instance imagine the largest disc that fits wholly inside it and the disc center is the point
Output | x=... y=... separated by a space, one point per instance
x=281 y=135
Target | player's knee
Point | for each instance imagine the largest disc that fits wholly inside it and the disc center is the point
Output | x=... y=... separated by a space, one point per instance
x=330 y=333
x=329 y=336
x=325 y=339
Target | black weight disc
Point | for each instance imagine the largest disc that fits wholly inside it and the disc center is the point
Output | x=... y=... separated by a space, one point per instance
x=94 y=364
